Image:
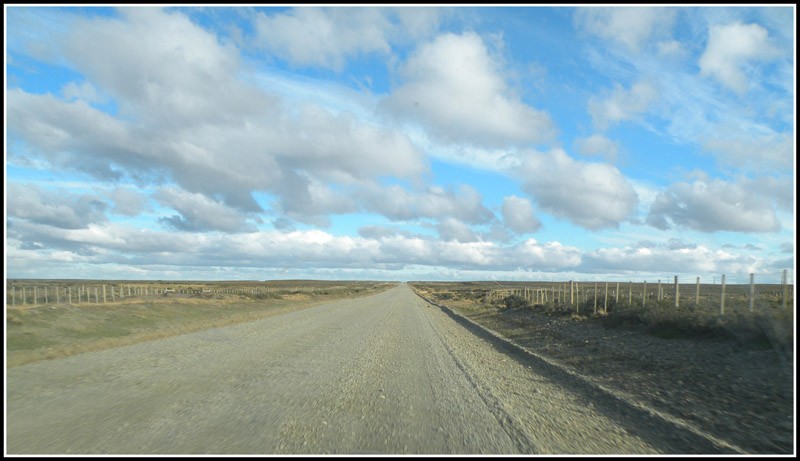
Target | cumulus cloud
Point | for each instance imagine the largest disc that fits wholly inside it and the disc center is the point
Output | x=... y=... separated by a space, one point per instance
x=54 y=208
x=186 y=114
x=199 y=213
x=622 y=104
x=598 y=145
x=453 y=229
x=112 y=243
x=126 y=201
x=309 y=201
x=730 y=47
x=629 y=26
x=327 y=37
x=84 y=90
x=670 y=259
x=396 y=203
x=592 y=195
x=518 y=215
x=712 y=205
x=455 y=88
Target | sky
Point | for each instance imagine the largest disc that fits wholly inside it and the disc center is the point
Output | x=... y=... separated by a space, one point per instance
x=399 y=143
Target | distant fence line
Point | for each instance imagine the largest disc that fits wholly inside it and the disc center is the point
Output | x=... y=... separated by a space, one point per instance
x=70 y=293
x=630 y=293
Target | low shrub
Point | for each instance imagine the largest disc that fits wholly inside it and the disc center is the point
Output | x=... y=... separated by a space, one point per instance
x=515 y=302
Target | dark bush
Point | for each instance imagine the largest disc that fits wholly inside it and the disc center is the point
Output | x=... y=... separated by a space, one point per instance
x=515 y=302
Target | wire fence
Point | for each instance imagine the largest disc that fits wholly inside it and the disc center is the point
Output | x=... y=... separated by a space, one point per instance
x=727 y=293
x=38 y=293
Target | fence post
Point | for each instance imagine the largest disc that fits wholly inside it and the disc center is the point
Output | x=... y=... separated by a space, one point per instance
x=676 y=291
x=616 y=294
x=630 y=293
x=752 y=291
x=722 y=298
x=697 y=291
x=571 y=293
x=69 y=294
x=785 y=286
x=658 y=296
x=605 y=300
x=644 y=294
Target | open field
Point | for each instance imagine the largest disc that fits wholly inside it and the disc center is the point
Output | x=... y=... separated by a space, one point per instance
x=649 y=307
x=153 y=310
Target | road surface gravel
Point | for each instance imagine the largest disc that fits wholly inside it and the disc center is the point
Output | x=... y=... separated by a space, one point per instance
x=386 y=374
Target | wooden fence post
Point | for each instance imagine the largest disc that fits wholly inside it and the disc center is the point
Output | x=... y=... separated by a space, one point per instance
x=644 y=294
x=676 y=291
x=630 y=292
x=616 y=294
x=697 y=291
x=722 y=298
x=785 y=284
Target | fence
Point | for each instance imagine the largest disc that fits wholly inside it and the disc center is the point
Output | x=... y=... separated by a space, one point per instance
x=751 y=292
x=33 y=293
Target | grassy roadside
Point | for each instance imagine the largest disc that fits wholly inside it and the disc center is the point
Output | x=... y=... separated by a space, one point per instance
x=770 y=327
x=47 y=332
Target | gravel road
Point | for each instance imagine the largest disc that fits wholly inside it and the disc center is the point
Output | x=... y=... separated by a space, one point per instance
x=388 y=373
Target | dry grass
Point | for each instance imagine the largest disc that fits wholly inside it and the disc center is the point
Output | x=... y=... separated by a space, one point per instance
x=52 y=331
x=769 y=325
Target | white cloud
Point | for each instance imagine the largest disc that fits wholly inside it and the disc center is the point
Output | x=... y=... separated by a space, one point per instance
x=712 y=205
x=768 y=150
x=592 y=195
x=126 y=201
x=456 y=90
x=327 y=37
x=198 y=213
x=54 y=208
x=518 y=215
x=598 y=145
x=396 y=203
x=622 y=104
x=84 y=90
x=453 y=229
x=729 y=48
x=186 y=114
x=629 y=26
x=661 y=259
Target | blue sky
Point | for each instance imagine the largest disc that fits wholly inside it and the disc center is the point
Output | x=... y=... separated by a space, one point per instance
x=399 y=143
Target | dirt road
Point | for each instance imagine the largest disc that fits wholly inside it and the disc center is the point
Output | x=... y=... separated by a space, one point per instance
x=387 y=373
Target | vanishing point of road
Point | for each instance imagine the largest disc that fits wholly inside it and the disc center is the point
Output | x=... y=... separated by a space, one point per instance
x=386 y=374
